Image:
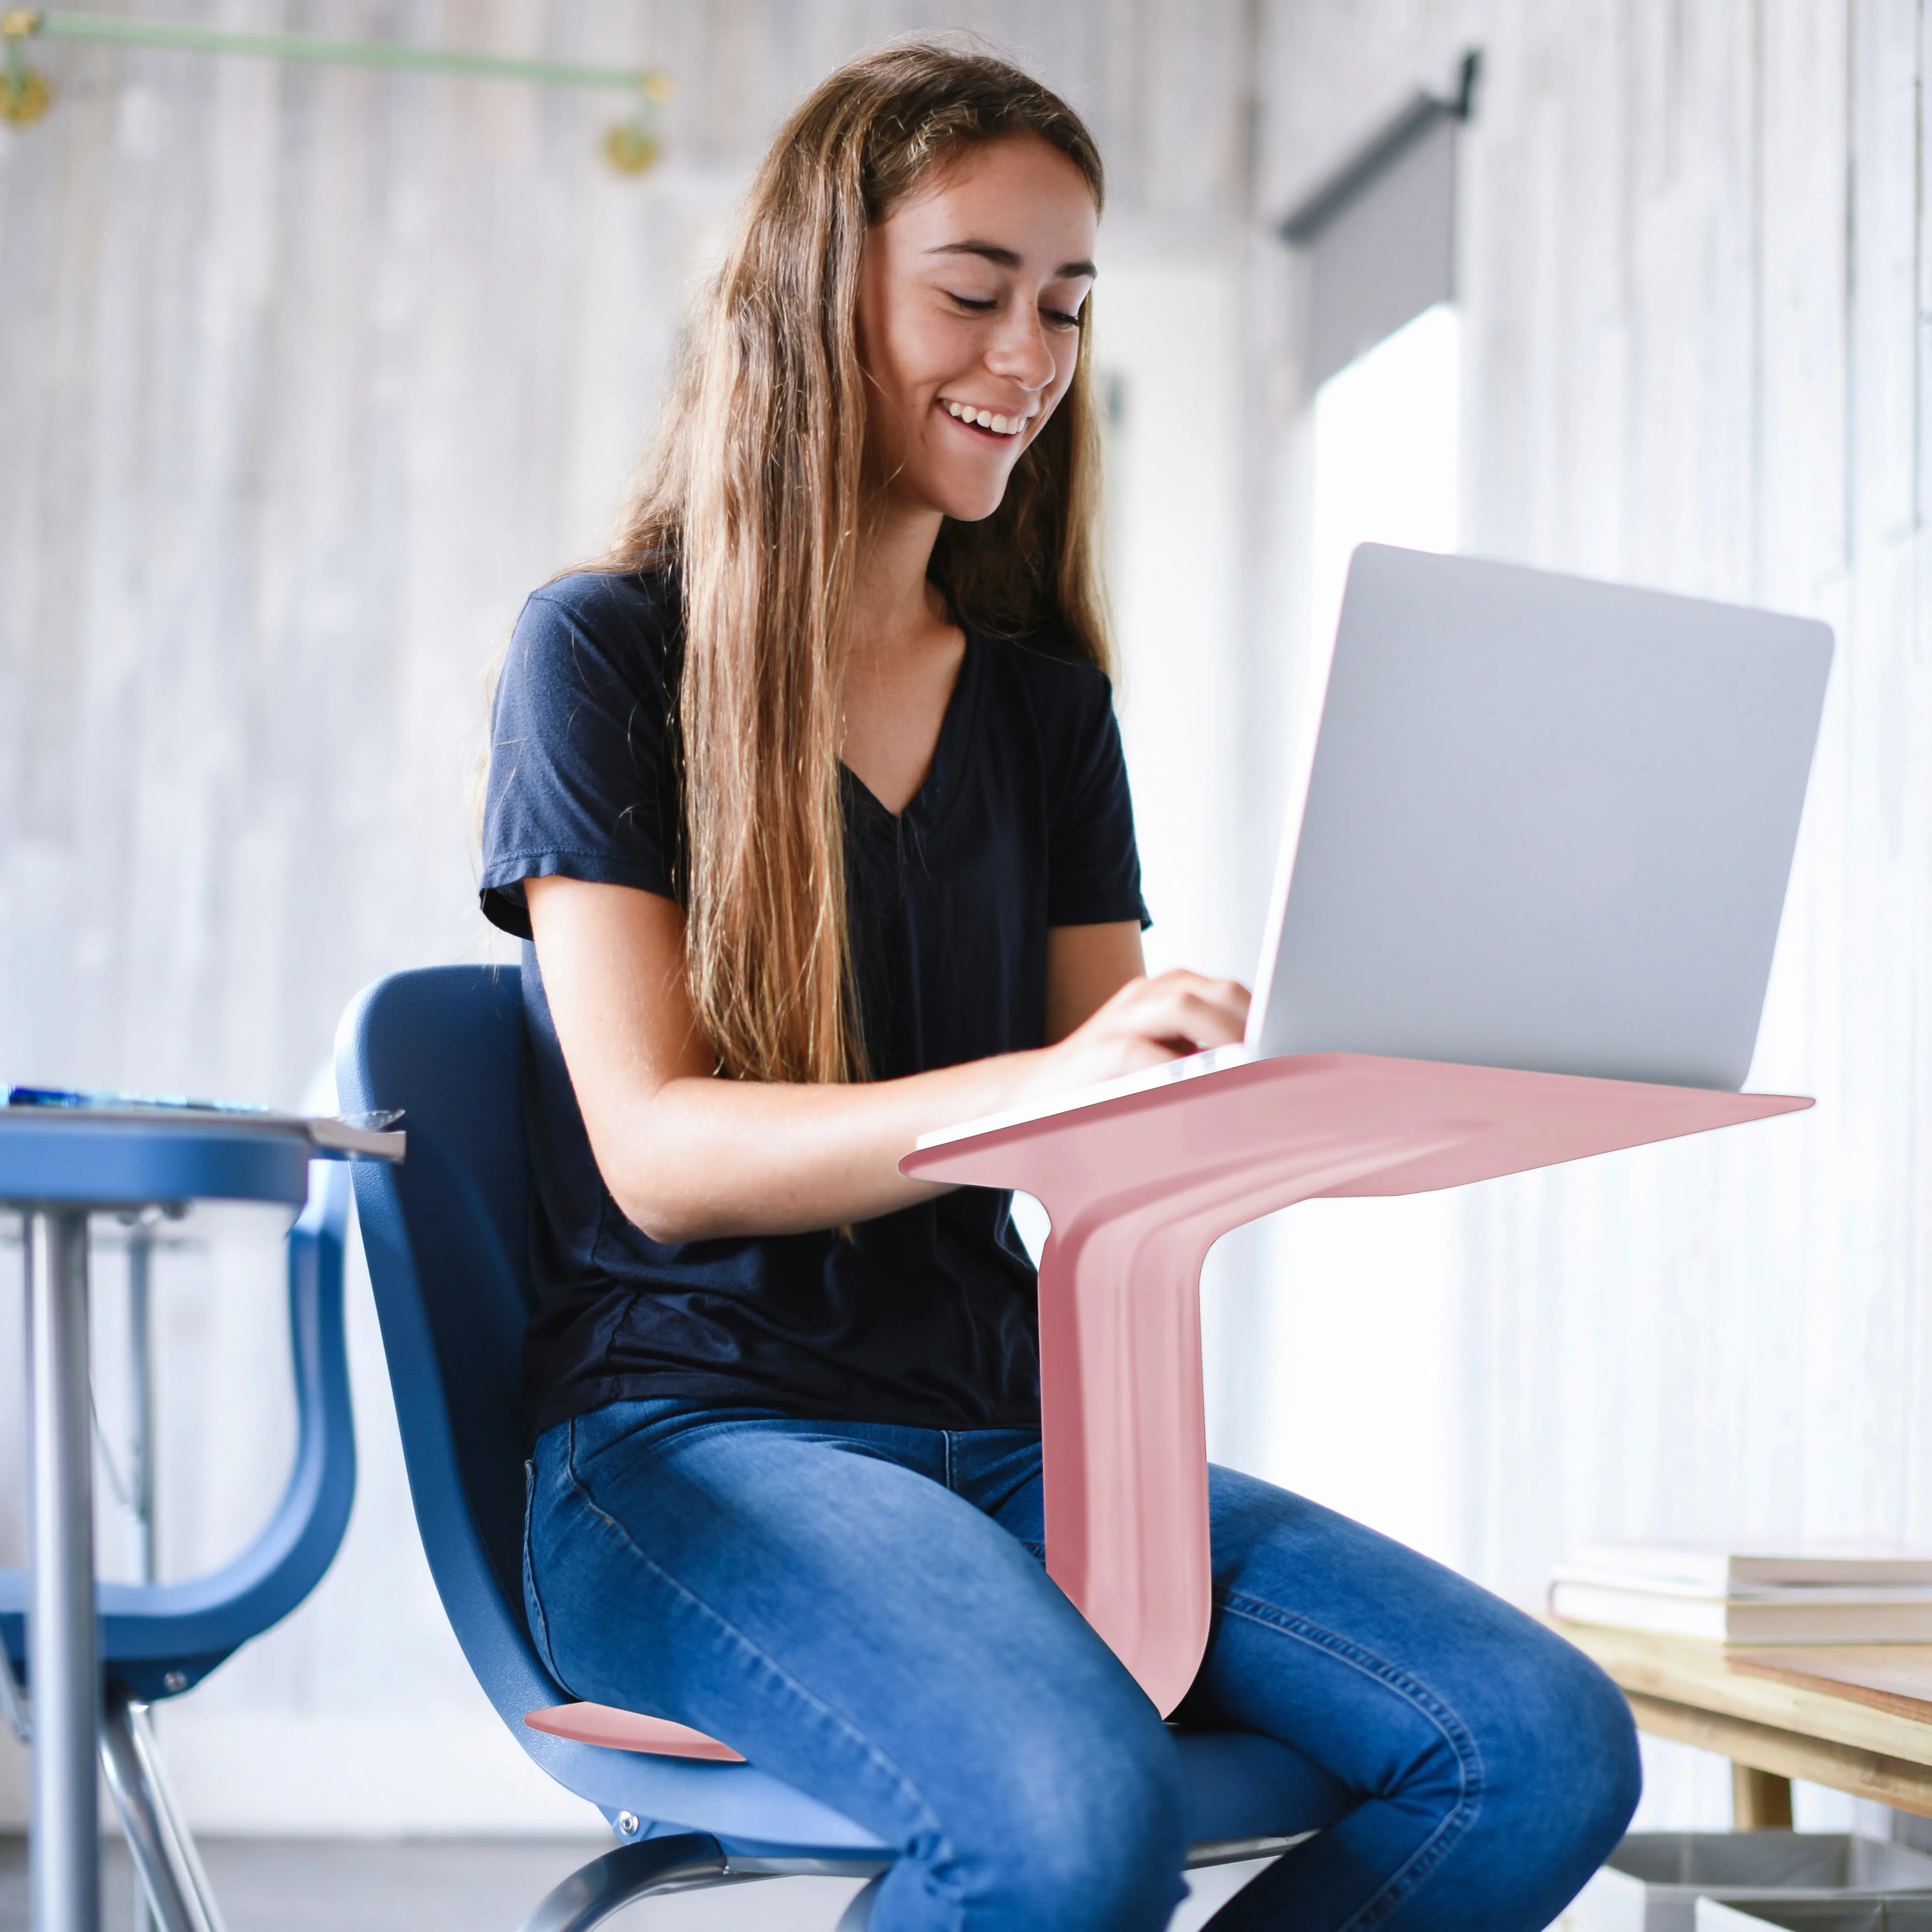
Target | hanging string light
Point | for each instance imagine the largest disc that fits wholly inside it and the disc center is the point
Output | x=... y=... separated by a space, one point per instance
x=24 y=93
x=633 y=145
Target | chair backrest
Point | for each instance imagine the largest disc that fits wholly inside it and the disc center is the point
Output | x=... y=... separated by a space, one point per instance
x=446 y=1234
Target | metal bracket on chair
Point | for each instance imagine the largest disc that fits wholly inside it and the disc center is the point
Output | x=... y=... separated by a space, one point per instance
x=687 y=1862
x=1238 y=1851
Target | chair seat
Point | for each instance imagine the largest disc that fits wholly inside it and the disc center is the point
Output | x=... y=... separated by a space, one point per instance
x=628 y=1730
x=1239 y=1785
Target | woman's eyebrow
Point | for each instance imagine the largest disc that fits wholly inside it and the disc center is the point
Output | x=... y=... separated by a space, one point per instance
x=1005 y=258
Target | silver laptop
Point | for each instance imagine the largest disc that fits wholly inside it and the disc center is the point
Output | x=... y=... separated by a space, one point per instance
x=1548 y=825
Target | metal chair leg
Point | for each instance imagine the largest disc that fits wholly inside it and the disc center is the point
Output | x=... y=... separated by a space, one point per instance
x=689 y=1862
x=165 y=1863
x=858 y=1914
x=592 y=1892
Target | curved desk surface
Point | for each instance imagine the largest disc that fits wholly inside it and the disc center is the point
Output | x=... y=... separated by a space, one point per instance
x=55 y=1157
x=1140 y=1186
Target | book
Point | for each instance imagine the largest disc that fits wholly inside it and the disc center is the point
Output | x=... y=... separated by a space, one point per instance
x=1797 y=1614
x=370 y=1135
x=1713 y=1570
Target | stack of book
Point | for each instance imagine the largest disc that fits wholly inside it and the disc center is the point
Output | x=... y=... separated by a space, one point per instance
x=1751 y=1595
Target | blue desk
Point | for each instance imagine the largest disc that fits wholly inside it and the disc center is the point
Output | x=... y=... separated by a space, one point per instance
x=56 y=1168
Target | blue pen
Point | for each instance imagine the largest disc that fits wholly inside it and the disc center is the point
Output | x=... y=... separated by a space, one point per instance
x=59 y=1096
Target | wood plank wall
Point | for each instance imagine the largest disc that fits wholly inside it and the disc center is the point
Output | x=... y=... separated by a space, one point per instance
x=306 y=376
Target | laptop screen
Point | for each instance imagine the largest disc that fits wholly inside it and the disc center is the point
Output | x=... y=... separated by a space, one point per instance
x=1549 y=825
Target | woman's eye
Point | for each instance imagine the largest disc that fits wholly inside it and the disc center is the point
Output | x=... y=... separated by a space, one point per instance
x=1060 y=318
x=975 y=304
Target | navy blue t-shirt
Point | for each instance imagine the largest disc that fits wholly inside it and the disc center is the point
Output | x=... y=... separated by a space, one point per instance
x=926 y=1316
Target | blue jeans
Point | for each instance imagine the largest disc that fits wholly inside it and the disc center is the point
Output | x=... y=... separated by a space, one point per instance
x=862 y=1610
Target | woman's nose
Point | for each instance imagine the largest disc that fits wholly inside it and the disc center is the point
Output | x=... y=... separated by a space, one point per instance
x=1020 y=353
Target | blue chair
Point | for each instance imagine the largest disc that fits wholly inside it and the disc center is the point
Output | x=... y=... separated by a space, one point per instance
x=157 y=1640
x=447 y=1238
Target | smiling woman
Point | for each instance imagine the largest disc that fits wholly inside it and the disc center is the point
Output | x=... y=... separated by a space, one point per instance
x=811 y=808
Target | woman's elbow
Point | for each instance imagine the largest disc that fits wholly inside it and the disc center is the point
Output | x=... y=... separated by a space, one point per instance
x=661 y=1214
x=654 y=1173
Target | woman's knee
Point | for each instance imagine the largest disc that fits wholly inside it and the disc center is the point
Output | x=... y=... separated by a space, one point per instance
x=1081 y=1834
x=1615 y=1781
x=1582 y=1775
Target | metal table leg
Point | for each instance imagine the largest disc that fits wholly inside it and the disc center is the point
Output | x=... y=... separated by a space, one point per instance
x=141 y=1479
x=64 y=1857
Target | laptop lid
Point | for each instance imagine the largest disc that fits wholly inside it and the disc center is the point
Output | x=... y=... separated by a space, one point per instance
x=1549 y=825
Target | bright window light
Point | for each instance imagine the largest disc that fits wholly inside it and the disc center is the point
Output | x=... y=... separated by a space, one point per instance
x=1366 y=1413
x=1386 y=433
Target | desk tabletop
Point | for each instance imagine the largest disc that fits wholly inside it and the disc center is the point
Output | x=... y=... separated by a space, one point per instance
x=1321 y=1123
x=75 y=1160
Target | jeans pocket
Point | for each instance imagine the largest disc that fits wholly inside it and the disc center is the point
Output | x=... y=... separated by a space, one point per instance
x=533 y=1608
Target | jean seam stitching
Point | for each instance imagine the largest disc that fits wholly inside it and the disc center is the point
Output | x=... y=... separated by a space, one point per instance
x=943 y=1844
x=540 y=1622
x=1455 y=1733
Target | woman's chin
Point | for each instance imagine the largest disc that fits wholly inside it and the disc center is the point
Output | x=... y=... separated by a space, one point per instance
x=973 y=505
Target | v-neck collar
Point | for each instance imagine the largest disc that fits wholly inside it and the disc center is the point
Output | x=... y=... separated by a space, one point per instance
x=937 y=790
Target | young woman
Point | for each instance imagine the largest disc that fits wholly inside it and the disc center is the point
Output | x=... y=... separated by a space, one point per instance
x=812 y=803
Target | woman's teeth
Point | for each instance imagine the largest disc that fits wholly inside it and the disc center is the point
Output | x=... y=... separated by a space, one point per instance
x=986 y=419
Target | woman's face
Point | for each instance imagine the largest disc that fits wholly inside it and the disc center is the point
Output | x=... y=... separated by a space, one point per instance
x=968 y=321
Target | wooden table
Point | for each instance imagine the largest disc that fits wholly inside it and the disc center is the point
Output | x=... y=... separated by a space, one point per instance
x=1855 y=1716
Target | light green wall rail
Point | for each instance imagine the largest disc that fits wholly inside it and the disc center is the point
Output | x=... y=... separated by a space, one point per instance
x=24 y=23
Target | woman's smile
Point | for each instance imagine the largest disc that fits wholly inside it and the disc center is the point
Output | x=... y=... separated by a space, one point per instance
x=987 y=422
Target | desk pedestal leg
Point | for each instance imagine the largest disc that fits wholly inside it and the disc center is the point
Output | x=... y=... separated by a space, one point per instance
x=1125 y=1442
x=63 y=1671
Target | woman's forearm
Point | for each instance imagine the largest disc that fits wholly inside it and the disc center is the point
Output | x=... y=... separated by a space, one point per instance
x=688 y=1156
x=704 y=1157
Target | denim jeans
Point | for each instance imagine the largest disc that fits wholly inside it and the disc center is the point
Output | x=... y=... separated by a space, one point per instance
x=861 y=1610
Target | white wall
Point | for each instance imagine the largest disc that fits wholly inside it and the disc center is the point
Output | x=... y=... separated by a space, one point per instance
x=1694 y=265
x=306 y=376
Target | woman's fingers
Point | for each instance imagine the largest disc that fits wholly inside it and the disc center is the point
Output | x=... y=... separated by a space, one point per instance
x=1183 y=1005
x=1147 y=1022
x=1177 y=1007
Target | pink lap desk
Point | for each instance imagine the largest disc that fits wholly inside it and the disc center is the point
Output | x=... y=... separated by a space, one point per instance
x=1138 y=1188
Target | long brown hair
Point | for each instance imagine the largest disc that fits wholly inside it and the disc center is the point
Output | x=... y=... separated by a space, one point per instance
x=753 y=494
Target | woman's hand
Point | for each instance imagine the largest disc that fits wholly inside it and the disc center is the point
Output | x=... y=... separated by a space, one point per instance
x=1147 y=1022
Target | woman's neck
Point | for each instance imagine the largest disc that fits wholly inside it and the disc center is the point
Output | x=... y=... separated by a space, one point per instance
x=902 y=659
x=892 y=603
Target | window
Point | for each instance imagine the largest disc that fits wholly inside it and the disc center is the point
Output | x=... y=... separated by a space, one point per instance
x=1386 y=455
x=1364 y=1394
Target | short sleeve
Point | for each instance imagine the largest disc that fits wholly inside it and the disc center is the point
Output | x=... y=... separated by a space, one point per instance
x=1093 y=867
x=583 y=781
